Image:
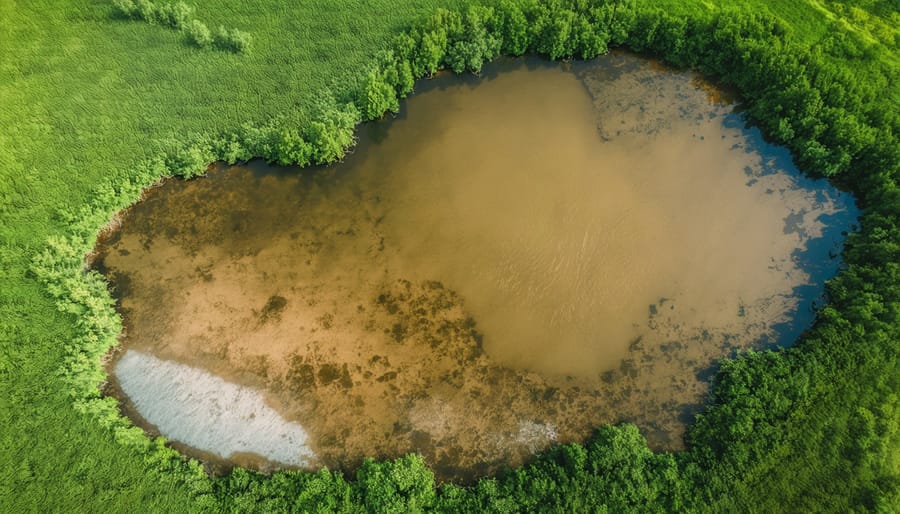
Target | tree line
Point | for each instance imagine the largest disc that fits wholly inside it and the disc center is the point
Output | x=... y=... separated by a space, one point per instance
x=764 y=405
x=811 y=427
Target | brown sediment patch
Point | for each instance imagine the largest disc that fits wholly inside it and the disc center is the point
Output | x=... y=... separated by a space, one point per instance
x=500 y=268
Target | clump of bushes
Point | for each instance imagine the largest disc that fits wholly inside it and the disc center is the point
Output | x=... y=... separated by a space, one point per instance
x=198 y=33
x=177 y=16
x=232 y=39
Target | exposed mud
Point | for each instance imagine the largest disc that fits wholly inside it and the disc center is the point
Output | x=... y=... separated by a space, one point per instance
x=207 y=413
x=513 y=261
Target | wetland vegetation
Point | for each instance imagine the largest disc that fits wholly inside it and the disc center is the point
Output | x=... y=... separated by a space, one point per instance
x=94 y=120
x=518 y=259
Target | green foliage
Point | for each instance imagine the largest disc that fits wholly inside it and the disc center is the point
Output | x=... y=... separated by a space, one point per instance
x=231 y=39
x=431 y=42
x=471 y=40
x=514 y=28
x=614 y=472
x=332 y=130
x=126 y=8
x=810 y=428
x=189 y=160
x=380 y=89
x=145 y=10
x=177 y=16
x=198 y=33
x=553 y=31
x=399 y=486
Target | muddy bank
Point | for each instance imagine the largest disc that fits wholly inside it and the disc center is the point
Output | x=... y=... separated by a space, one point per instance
x=513 y=261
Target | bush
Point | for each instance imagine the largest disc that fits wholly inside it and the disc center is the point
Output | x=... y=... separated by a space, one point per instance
x=332 y=132
x=233 y=40
x=378 y=95
x=473 y=42
x=403 y=485
x=176 y=16
x=198 y=33
x=125 y=7
x=146 y=11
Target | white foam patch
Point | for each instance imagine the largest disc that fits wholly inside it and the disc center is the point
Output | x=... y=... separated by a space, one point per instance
x=201 y=410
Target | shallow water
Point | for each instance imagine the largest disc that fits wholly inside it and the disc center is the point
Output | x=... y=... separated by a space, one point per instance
x=514 y=260
x=205 y=412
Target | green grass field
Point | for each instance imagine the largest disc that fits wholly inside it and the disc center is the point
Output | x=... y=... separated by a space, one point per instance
x=85 y=97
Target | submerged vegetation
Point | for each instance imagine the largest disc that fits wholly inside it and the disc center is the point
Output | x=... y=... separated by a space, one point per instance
x=815 y=427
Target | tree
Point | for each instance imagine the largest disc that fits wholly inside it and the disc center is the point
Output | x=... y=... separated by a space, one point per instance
x=399 y=486
x=176 y=16
x=405 y=78
x=378 y=95
x=432 y=40
x=554 y=31
x=291 y=148
x=516 y=37
x=331 y=131
x=470 y=42
x=591 y=39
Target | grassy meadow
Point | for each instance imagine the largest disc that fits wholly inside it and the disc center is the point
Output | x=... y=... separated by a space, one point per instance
x=83 y=96
x=86 y=96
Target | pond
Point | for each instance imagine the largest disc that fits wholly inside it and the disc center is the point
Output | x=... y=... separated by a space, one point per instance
x=514 y=260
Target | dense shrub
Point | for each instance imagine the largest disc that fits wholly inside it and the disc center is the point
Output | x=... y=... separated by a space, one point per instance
x=232 y=39
x=178 y=16
x=174 y=16
x=126 y=8
x=198 y=33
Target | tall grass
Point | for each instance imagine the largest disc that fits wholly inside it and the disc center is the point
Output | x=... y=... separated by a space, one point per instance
x=84 y=99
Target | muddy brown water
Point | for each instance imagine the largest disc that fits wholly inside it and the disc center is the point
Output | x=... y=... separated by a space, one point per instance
x=515 y=260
